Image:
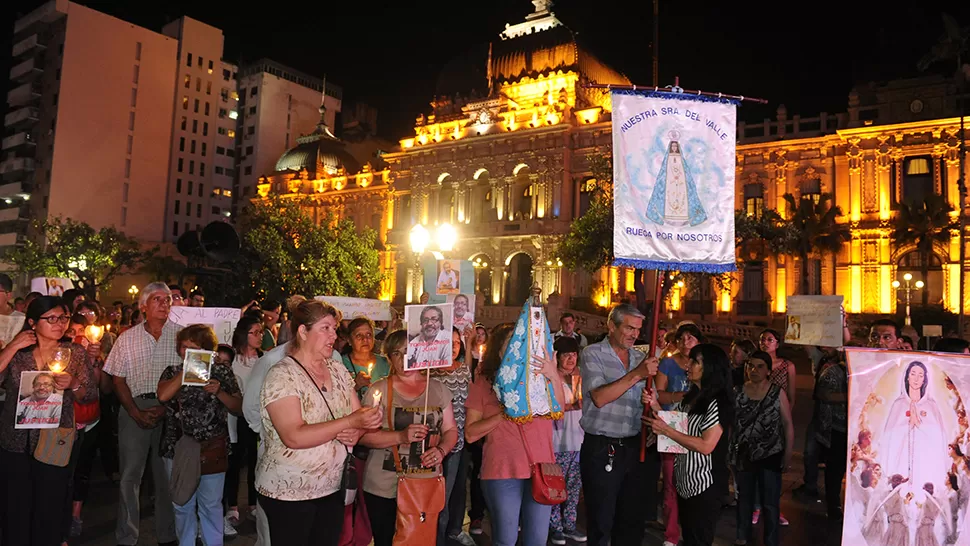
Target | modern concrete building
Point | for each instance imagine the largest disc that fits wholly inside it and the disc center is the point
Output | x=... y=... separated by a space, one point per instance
x=83 y=143
x=277 y=104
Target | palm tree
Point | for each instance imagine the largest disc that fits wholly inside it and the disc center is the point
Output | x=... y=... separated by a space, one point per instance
x=812 y=230
x=924 y=223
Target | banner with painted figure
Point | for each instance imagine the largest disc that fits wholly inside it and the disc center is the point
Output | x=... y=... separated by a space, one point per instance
x=673 y=172
x=908 y=479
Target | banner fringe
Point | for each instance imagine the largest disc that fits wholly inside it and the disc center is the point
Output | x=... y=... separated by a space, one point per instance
x=675 y=96
x=685 y=267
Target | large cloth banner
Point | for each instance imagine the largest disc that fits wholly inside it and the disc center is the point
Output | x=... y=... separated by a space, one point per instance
x=673 y=189
x=222 y=320
x=908 y=479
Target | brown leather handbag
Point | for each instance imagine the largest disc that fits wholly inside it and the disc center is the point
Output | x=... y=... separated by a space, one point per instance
x=214 y=455
x=419 y=500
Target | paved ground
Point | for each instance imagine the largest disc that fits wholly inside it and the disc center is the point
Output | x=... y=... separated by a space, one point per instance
x=809 y=525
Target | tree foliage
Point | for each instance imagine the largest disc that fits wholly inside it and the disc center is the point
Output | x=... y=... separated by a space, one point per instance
x=589 y=243
x=90 y=258
x=811 y=230
x=284 y=252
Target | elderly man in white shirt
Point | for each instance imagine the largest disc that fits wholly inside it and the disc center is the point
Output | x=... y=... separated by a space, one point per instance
x=135 y=364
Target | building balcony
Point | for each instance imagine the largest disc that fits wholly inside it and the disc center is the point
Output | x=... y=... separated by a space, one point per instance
x=26 y=94
x=26 y=71
x=10 y=239
x=19 y=140
x=43 y=15
x=8 y=191
x=13 y=214
x=16 y=166
x=22 y=117
x=28 y=46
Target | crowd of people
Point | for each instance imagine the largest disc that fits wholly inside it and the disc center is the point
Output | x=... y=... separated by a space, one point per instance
x=327 y=419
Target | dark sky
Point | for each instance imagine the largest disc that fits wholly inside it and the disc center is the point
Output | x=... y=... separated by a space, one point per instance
x=806 y=55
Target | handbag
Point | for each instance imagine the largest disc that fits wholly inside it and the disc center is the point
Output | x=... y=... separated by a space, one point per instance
x=214 y=455
x=54 y=445
x=419 y=500
x=548 y=480
x=85 y=414
x=348 y=478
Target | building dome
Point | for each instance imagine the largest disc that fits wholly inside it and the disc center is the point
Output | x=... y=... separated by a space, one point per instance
x=320 y=153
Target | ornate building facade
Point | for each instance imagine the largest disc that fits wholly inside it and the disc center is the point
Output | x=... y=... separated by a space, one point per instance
x=506 y=165
x=897 y=143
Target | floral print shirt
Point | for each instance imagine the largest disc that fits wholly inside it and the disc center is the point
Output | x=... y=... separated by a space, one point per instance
x=289 y=474
x=195 y=412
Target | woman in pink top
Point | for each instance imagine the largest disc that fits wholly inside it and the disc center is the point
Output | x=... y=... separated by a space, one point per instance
x=506 y=472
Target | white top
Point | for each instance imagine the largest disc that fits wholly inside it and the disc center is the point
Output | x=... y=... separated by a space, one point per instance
x=302 y=474
x=241 y=368
x=254 y=386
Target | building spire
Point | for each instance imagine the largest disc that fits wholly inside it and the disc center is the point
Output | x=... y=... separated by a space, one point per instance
x=322 y=128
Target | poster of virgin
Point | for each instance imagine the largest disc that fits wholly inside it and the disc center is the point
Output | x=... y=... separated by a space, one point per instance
x=908 y=478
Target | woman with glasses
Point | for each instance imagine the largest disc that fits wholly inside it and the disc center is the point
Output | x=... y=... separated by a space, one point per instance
x=36 y=493
x=246 y=341
x=672 y=386
x=364 y=365
x=761 y=448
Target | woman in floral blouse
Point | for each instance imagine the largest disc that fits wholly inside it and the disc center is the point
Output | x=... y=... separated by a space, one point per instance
x=311 y=417
x=200 y=412
x=36 y=493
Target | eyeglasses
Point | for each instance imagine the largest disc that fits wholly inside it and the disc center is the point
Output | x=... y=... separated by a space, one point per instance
x=54 y=319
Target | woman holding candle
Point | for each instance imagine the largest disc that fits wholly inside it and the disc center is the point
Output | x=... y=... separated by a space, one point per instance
x=36 y=493
x=424 y=432
x=363 y=364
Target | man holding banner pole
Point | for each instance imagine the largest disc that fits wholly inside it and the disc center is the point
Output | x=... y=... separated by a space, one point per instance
x=619 y=489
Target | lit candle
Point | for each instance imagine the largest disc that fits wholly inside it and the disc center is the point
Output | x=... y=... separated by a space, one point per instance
x=370 y=369
x=59 y=359
x=93 y=333
x=56 y=367
x=377 y=399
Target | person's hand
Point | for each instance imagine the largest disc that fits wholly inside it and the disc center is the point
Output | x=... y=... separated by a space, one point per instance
x=349 y=436
x=23 y=340
x=147 y=419
x=367 y=418
x=362 y=380
x=62 y=381
x=432 y=457
x=648 y=367
x=914 y=420
x=657 y=425
x=94 y=350
x=415 y=433
x=786 y=461
x=547 y=366
x=212 y=386
x=649 y=401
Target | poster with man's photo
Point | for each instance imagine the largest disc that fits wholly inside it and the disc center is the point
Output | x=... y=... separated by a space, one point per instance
x=429 y=336
x=908 y=479
x=196 y=368
x=449 y=277
x=411 y=452
x=39 y=402
x=464 y=311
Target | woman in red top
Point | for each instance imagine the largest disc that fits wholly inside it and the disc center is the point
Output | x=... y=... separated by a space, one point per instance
x=505 y=471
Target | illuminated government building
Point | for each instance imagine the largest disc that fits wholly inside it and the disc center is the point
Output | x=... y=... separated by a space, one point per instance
x=503 y=153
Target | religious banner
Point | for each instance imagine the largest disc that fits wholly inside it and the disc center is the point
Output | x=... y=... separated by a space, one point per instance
x=814 y=320
x=521 y=388
x=351 y=308
x=908 y=479
x=222 y=320
x=429 y=336
x=673 y=173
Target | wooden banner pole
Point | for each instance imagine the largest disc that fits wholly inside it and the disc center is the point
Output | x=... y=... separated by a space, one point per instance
x=653 y=350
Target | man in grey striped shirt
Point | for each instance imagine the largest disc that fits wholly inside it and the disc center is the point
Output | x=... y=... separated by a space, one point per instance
x=620 y=490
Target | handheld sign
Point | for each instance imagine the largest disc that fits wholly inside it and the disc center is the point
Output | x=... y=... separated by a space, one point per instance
x=814 y=320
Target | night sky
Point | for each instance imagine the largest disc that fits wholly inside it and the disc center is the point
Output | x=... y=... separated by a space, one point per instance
x=806 y=55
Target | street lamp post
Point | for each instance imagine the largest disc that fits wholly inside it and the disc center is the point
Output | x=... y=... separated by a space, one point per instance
x=133 y=291
x=908 y=288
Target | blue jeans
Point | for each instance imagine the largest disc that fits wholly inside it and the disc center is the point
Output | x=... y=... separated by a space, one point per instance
x=510 y=504
x=450 y=472
x=768 y=483
x=205 y=506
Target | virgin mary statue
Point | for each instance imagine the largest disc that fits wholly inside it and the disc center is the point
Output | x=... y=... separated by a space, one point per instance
x=913 y=442
x=674 y=200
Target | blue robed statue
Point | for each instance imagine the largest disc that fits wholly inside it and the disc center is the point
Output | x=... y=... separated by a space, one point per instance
x=674 y=200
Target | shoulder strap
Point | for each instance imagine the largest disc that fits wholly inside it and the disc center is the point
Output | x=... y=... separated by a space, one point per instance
x=525 y=444
x=389 y=409
x=320 y=390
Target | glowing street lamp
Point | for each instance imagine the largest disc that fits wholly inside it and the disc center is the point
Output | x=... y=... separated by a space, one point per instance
x=133 y=291
x=908 y=287
x=447 y=236
x=419 y=239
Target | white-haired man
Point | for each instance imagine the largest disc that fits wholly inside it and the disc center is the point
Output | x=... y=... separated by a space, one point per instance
x=135 y=363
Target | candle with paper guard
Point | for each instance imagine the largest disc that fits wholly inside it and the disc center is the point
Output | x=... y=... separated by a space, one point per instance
x=93 y=333
x=377 y=399
x=59 y=359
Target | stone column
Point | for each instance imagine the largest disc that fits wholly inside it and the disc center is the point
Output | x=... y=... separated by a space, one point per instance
x=498 y=283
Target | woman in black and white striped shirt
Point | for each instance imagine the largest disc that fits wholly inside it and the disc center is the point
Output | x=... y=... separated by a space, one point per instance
x=710 y=413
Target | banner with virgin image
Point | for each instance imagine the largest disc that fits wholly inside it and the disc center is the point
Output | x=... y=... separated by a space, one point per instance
x=673 y=181
x=908 y=479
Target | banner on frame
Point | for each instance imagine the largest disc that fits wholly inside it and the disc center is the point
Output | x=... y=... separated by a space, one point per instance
x=907 y=480
x=673 y=190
